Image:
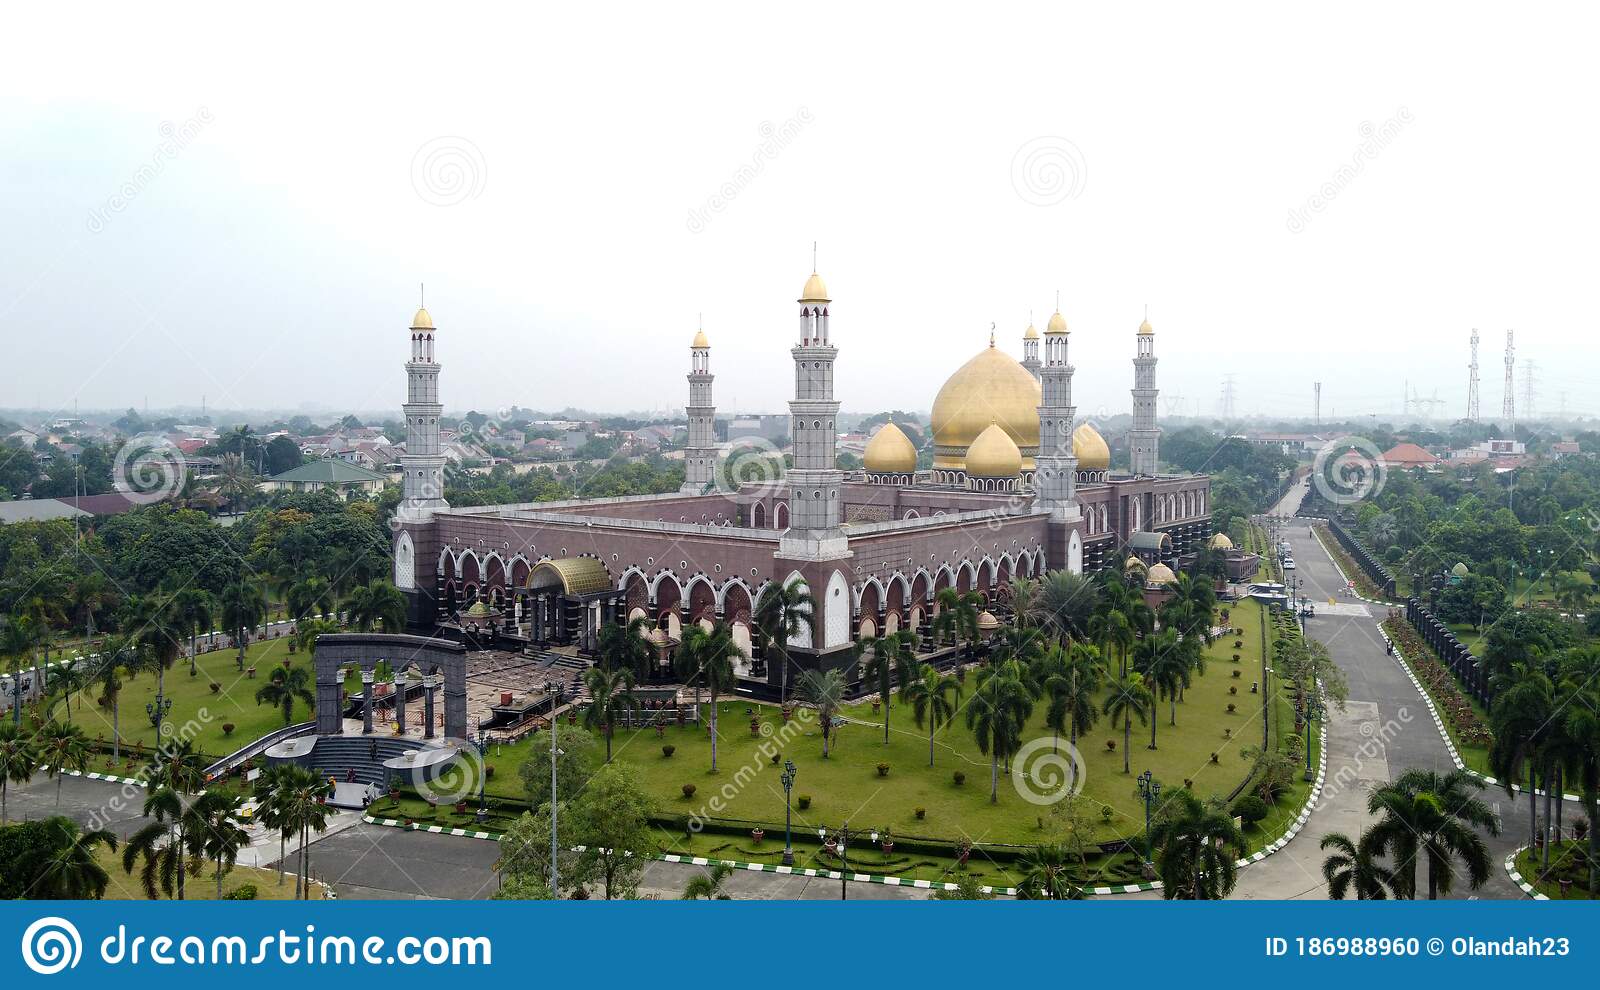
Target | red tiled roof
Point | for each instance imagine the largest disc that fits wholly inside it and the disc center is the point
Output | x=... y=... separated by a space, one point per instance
x=1408 y=454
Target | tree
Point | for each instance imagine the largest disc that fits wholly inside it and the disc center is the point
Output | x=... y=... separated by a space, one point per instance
x=270 y=792
x=996 y=714
x=957 y=616
x=708 y=884
x=286 y=686
x=1129 y=698
x=18 y=638
x=576 y=756
x=823 y=690
x=156 y=627
x=244 y=606
x=1071 y=678
x=934 y=698
x=1063 y=606
x=893 y=658
x=1047 y=875
x=1164 y=662
x=1520 y=719
x=62 y=748
x=192 y=609
x=1197 y=847
x=1354 y=866
x=67 y=679
x=162 y=844
x=214 y=831
x=19 y=759
x=782 y=612
x=306 y=810
x=626 y=646
x=1426 y=815
x=72 y=871
x=310 y=597
x=1582 y=726
x=116 y=652
x=377 y=604
x=610 y=700
x=524 y=863
x=967 y=888
x=611 y=821
x=716 y=671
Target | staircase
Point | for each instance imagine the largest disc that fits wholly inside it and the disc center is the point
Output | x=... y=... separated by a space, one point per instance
x=336 y=756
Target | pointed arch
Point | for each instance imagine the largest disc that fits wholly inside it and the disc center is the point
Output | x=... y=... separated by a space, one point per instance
x=405 y=562
x=836 y=612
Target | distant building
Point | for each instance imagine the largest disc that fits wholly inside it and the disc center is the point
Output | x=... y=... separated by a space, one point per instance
x=1407 y=455
x=326 y=474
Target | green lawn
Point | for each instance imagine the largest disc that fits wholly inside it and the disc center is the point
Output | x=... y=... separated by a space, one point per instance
x=203 y=887
x=1569 y=860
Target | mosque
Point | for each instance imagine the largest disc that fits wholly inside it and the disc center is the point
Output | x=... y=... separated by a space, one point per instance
x=1016 y=487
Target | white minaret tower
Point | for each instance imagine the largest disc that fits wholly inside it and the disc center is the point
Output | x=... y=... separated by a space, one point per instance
x=422 y=490
x=814 y=497
x=1030 y=349
x=1056 y=479
x=1145 y=437
x=700 y=456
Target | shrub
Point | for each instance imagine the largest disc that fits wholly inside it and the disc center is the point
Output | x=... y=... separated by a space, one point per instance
x=1232 y=708
x=1238 y=644
x=920 y=812
x=215 y=687
x=959 y=777
x=1236 y=658
x=883 y=769
x=1111 y=745
x=245 y=892
x=1237 y=674
x=1250 y=808
x=1105 y=813
x=1233 y=688
x=227 y=728
x=1213 y=758
x=688 y=790
x=803 y=801
x=488 y=771
x=668 y=750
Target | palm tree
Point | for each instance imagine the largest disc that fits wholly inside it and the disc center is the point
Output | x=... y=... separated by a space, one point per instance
x=1064 y=605
x=610 y=699
x=1069 y=677
x=708 y=885
x=67 y=678
x=306 y=809
x=627 y=647
x=716 y=670
x=271 y=792
x=155 y=625
x=996 y=715
x=1047 y=876
x=171 y=773
x=62 y=747
x=18 y=638
x=1354 y=866
x=1115 y=634
x=1522 y=713
x=115 y=653
x=214 y=831
x=1583 y=726
x=1164 y=664
x=91 y=594
x=823 y=690
x=244 y=606
x=782 y=611
x=1129 y=698
x=192 y=609
x=19 y=760
x=378 y=603
x=72 y=870
x=690 y=656
x=306 y=632
x=934 y=699
x=958 y=616
x=1433 y=816
x=286 y=686
x=1198 y=846
x=310 y=597
x=891 y=664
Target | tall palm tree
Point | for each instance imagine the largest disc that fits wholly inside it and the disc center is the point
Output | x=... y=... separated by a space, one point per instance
x=271 y=792
x=377 y=604
x=1129 y=698
x=1164 y=664
x=19 y=760
x=934 y=699
x=306 y=632
x=995 y=715
x=302 y=808
x=1064 y=605
x=782 y=610
x=958 y=616
x=62 y=748
x=1520 y=718
x=18 y=638
x=1354 y=866
x=610 y=699
x=1115 y=634
x=244 y=606
x=72 y=870
x=1069 y=676
x=627 y=647
x=214 y=831
x=310 y=597
x=116 y=652
x=690 y=657
x=1197 y=849
x=91 y=594
x=823 y=690
x=155 y=626
x=286 y=686
x=172 y=772
x=892 y=661
x=192 y=609
x=716 y=670
x=1583 y=760
x=1432 y=816
x=67 y=679
x=1047 y=875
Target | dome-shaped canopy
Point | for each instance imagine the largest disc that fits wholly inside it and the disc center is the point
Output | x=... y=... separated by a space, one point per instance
x=1090 y=448
x=994 y=455
x=700 y=339
x=890 y=451
x=1161 y=574
x=1145 y=329
x=1030 y=333
x=1057 y=324
x=987 y=622
x=993 y=387
x=422 y=321
x=1460 y=570
x=1133 y=564
x=816 y=291
x=1220 y=542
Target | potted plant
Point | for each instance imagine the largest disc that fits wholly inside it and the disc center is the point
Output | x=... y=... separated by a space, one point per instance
x=887 y=843
x=688 y=791
x=959 y=778
x=757 y=834
x=803 y=802
x=883 y=769
x=921 y=813
x=668 y=750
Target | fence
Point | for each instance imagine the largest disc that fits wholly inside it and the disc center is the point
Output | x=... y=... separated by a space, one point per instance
x=1468 y=670
x=1364 y=558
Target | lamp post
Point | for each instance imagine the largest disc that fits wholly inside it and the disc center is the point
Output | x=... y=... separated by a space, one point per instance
x=1313 y=709
x=482 y=746
x=788 y=785
x=158 y=711
x=1149 y=790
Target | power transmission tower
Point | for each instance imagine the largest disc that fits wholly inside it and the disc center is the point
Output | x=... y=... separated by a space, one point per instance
x=1227 y=397
x=1316 y=391
x=1530 y=374
x=1472 y=381
x=1509 y=410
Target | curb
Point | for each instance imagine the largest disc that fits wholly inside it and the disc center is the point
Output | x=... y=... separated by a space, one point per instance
x=1516 y=878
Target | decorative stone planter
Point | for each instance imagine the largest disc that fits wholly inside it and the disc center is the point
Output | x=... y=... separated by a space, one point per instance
x=757 y=834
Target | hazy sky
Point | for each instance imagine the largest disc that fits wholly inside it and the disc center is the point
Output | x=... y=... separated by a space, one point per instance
x=560 y=179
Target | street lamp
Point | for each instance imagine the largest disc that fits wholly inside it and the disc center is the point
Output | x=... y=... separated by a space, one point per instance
x=1313 y=709
x=482 y=746
x=788 y=785
x=1149 y=790
x=158 y=710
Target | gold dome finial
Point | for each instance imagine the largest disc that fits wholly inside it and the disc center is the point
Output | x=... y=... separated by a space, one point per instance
x=1145 y=329
x=991 y=334
x=1058 y=323
x=422 y=321
x=1030 y=333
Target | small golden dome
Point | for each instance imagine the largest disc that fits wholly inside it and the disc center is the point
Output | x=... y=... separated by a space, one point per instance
x=1030 y=333
x=1133 y=564
x=700 y=339
x=890 y=452
x=1057 y=324
x=993 y=387
x=422 y=321
x=994 y=454
x=1160 y=574
x=1220 y=542
x=987 y=622
x=1090 y=448
x=1145 y=329
x=816 y=291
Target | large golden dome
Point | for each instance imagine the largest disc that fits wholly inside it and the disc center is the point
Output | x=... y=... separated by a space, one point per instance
x=994 y=455
x=991 y=388
x=890 y=452
x=1090 y=448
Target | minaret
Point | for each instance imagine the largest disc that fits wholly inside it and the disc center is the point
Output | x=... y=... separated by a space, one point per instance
x=1030 y=349
x=422 y=487
x=814 y=498
x=700 y=456
x=1145 y=437
x=1055 y=482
